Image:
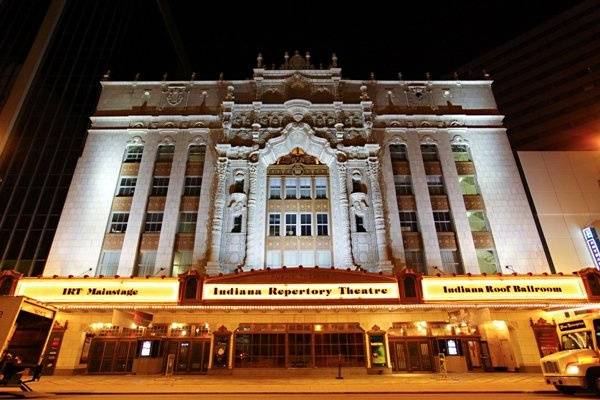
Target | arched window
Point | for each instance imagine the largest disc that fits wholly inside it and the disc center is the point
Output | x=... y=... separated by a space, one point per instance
x=191 y=288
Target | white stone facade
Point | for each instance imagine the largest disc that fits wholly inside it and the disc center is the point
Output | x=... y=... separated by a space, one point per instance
x=347 y=125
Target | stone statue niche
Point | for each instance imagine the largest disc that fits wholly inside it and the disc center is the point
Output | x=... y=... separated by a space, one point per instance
x=234 y=232
x=364 y=245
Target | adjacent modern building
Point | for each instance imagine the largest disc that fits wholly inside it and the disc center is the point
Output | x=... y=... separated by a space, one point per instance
x=565 y=193
x=546 y=82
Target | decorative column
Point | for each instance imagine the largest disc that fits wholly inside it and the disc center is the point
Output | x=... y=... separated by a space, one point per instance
x=137 y=213
x=342 y=245
x=429 y=236
x=253 y=248
x=464 y=238
x=373 y=172
x=391 y=212
x=166 y=243
x=213 y=266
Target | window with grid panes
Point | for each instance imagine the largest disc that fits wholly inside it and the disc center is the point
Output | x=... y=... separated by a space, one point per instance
x=291 y=188
x=133 y=154
x=451 y=261
x=118 y=222
x=322 y=224
x=461 y=152
x=321 y=187
x=274 y=188
x=160 y=186
x=196 y=153
x=165 y=153
x=146 y=262
x=126 y=186
x=398 y=152
x=109 y=263
x=290 y=225
x=408 y=221
x=414 y=260
x=429 y=152
x=153 y=222
x=187 y=222
x=305 y=188
x=443 y=221
x=193 y=185
x=435 y=184
x=274 y=224
x=403 y=184
x=305 y=224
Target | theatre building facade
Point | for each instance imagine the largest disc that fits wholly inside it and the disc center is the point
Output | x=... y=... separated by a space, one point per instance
x=298 y=220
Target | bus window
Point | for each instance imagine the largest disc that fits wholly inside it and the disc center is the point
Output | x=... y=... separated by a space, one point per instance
x=576 y=340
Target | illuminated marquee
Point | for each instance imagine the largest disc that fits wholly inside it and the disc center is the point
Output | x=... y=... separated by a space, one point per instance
x=300 y=291
x=503 y=288
x=100 y=290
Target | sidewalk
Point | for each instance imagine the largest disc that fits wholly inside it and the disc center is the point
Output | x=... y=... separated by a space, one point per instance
x=396 y=383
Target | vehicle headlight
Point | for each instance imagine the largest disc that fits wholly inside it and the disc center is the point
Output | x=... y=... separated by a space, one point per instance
x=572 y=369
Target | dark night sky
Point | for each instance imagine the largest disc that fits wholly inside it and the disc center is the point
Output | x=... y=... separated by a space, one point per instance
x=384 y=37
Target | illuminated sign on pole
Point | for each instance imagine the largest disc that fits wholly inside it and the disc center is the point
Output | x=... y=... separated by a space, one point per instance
x=593 y=244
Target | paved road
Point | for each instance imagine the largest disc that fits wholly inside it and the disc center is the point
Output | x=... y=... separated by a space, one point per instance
x=328 y=396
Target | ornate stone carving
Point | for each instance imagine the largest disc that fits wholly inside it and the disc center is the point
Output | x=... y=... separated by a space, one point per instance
x=175 y=94
x=252 y=244
x=377 y=199
x=344 y=211
x=359 y=203
x=236 y=203
x=219 y=204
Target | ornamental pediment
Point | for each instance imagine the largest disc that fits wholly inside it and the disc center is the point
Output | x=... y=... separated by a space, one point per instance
x=335 y=121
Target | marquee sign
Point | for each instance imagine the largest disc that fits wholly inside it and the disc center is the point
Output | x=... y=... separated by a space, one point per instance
x=100 y=290
x=593 y=244
x=300 y=291
x=503 y=288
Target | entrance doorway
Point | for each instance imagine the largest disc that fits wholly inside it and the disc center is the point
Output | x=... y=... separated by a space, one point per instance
x=411 y=355
x=191 y=356
x=111 y=356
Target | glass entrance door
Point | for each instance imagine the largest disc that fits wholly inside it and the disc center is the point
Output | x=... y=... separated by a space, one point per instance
x=411 y=355
x=191 y=356
x=300 y=353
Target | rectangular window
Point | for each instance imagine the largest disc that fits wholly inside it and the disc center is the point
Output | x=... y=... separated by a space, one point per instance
x=435 y=184
x=429 y=152
x=274 y=224
x=290 y=258
x=414 y=260
x=443 y=221
x=291 y=188
x=322 y=224
x=468 y=185
x=305 y=188
x=109 y=263
x=192 y=186
x=408 y=221
x=451 y=261
x=182 y=262
x=160 y=186
x=274 y=258
x=133 y=154
x=165 y=153
x=118 y=222
x=323 y=258
x=146 y=262
x=196 y=153
x=461 y=152
x=126 y=186
x=477 y=221
x=275 y=188
x=290 y=225
x=153 y=222
x=321 y=187
x=237 y=224
x=187 y=222
x=305 y=224
x=398 y=152
x=360 y=223
x=487 y=261
x=402 y=184
x=307 y=258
